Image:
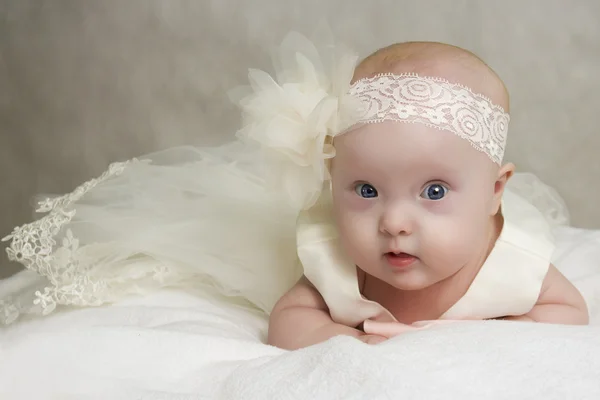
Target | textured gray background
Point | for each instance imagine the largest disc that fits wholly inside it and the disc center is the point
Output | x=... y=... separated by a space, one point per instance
x=85 y=83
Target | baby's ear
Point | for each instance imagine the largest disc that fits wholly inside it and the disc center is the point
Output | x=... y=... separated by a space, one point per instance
x=504 y=174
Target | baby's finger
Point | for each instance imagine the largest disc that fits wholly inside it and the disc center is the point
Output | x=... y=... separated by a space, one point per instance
x=430 y=323
x=387 y=329
x=372 y=339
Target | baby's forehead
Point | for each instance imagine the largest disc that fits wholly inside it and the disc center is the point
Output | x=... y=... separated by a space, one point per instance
x=405 y=146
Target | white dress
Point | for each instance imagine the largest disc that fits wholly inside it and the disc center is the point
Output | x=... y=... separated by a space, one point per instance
x=222 y=216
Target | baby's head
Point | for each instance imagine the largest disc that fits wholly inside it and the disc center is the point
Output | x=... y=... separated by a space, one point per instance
x=409 y=187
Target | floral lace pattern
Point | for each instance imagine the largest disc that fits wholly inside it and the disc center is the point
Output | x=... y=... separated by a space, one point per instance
x=33 y=245
x=437 y=103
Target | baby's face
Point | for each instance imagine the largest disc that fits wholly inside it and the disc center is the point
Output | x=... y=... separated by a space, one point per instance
x=407 y=188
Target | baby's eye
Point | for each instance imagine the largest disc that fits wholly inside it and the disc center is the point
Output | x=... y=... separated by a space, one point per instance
x=434 y=191
x=365 y=190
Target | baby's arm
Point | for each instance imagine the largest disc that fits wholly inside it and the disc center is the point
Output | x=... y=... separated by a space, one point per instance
x=301 y=318
x=559 y=303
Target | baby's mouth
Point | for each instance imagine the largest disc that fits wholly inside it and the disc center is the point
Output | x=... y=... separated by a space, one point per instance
x=399 y=254
x=399 y=259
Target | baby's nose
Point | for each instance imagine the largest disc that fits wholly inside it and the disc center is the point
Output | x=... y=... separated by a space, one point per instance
x=397 y=221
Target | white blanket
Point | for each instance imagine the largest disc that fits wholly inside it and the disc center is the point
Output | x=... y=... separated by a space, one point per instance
x=175 y=345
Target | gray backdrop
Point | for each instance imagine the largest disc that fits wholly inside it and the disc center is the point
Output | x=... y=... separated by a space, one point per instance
x=85 y=83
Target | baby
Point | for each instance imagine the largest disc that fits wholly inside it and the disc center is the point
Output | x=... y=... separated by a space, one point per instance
x=422 y=212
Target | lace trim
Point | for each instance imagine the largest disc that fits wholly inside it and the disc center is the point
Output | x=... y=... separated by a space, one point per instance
x=8 y=311
x=33 y=246
x=437 y=103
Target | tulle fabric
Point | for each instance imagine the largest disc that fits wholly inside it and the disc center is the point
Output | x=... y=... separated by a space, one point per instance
x=545 y=198
x=176 y=218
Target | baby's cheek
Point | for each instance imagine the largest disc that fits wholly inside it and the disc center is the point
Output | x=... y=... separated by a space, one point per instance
x=350 y=227
x=468 y=243
x=451 y=239
x=356 y=204
x=354 y=232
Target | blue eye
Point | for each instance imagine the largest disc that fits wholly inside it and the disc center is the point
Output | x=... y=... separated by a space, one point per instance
x=365 y=190
x=434 y=192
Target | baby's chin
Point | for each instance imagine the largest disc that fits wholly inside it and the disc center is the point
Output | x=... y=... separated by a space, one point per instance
x=412 y=283
x=408 y=278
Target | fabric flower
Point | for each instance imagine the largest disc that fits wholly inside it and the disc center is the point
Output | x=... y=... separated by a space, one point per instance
x=295 y=117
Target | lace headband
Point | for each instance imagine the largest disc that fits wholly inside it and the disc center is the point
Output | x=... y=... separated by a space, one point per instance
x=437 y=103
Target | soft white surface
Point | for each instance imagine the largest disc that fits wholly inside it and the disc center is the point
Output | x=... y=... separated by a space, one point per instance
x=180 y=346
x=577 y=256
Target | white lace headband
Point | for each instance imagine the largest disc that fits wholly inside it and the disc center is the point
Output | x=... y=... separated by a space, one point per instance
x=437 y=103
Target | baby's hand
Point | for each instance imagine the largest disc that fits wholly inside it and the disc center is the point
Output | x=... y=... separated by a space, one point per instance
x=386 y=329
x=372 y=339
x=391 y=329
x=428 y=324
